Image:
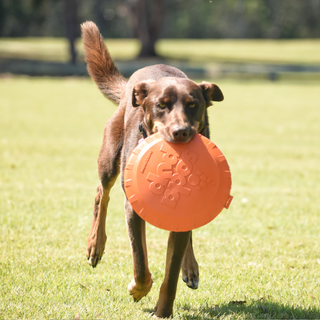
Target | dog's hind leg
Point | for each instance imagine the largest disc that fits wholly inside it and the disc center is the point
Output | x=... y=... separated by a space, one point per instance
x=177 y=244
x=109 y=168
x=97 y=237
x=190 y=268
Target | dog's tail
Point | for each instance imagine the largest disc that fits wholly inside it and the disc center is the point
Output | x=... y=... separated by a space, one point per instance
x=100 y=65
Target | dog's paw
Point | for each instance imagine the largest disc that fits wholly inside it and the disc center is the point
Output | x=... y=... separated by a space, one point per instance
x=190 y=274
x=163 y=309
x=153 y=316
x=192 y=281
x=138 y=291
x=95 y=248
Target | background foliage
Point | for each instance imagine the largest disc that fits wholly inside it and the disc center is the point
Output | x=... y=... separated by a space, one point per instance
x=182 y=18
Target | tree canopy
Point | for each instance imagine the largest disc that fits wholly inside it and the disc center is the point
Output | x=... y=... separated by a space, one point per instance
x=178 y=18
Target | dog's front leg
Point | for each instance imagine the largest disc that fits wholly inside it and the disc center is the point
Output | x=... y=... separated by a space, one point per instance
x=177 y=244
x=142 y=281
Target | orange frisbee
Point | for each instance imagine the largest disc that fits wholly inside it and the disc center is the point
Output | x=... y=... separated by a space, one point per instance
x=177 y=186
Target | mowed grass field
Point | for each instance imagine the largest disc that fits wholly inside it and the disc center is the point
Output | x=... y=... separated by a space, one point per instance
x=296 y=52
x=259 y=259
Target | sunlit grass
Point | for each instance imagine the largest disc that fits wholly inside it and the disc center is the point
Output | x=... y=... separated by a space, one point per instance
x=303 y=51
x=259 y=259
x=57 y=49
x=243 y=51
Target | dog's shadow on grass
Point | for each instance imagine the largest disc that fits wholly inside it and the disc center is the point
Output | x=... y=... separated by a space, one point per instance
x=256 y=309
x=260 y=309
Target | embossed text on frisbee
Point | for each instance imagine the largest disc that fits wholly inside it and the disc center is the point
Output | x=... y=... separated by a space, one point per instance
x=174 y=176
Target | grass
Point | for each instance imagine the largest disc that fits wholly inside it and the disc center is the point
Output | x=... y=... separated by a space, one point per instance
x=259 y=259
x=57 y=49
x=301 y=52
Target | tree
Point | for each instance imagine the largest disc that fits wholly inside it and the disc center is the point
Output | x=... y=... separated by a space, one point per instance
x=72 y=26
x=146 y=19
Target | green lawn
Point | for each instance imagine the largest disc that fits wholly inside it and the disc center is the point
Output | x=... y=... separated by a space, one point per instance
x=264 y=250
x=57 y=49
x=303 y=52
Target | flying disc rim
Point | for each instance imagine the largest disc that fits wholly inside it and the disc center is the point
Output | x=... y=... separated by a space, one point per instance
x=153 y=209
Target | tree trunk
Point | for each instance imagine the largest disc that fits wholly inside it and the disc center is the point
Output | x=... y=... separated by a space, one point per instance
x=146 y=19
x=98 y=13
x=72 y=26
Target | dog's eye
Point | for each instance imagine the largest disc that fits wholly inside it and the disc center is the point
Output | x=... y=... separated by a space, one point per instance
x=161 y=105
x=192 y=105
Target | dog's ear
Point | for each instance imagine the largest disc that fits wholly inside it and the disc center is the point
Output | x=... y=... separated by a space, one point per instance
x=140 y=92
x=211 y=92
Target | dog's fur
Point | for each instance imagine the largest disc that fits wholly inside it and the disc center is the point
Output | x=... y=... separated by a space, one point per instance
x=163 y=100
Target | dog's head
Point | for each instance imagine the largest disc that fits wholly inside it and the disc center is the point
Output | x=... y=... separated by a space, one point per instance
x=175 y=107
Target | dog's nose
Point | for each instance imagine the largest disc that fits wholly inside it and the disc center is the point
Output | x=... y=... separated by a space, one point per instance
x=180 y=133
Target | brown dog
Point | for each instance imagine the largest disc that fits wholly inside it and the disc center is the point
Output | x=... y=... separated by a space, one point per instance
x=155 y=99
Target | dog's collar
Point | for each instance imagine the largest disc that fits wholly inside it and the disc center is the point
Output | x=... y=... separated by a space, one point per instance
x=142 y=130
x=204 y=128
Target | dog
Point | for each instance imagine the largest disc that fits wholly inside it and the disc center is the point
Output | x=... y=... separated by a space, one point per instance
x=159 y=99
